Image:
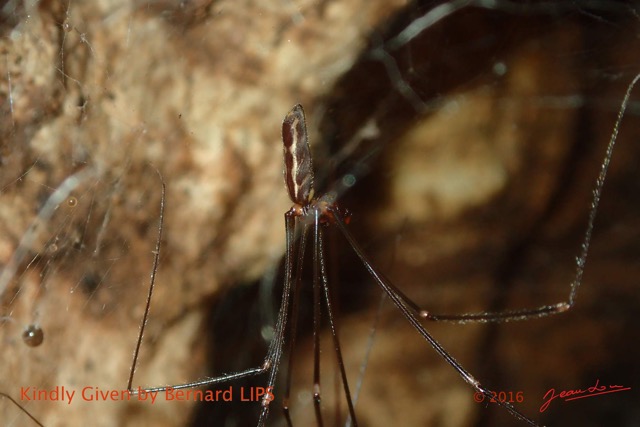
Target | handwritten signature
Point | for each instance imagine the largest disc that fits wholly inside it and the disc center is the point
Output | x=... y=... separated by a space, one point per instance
x=567 y=395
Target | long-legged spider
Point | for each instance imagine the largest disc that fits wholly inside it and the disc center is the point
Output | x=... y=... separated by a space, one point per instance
x=310 y=214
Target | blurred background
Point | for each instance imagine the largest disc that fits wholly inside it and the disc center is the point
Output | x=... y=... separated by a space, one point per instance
x=465 y=138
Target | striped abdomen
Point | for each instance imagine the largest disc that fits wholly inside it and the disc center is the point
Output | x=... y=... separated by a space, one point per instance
x=298 y=168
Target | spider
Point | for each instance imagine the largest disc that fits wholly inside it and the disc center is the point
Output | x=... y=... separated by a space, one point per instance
x=311 y=214
x=314 y=214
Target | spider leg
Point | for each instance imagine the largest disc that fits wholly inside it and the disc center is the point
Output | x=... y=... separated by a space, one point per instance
x=193 y=384
x=316 y=322
x=525 y=313
x=272 y=361
x=409 y=312
x=6 y=396
x=152 y=282
x=294 y=322
x=319 y=261
x=274 y=353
